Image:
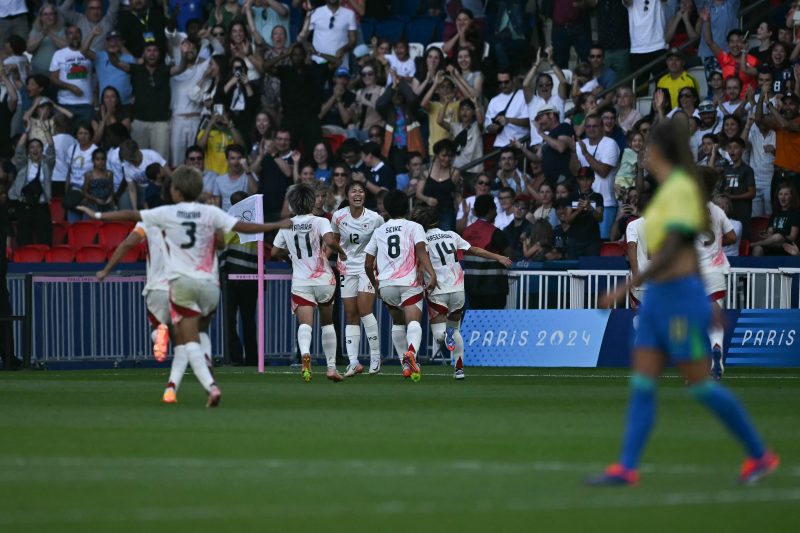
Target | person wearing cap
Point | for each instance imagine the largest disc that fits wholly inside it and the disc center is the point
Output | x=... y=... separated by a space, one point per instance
x=786 y=124
x=553 y=152
x=710 y=118
x=583 y=216
x=92 y=18
x=71 y=73
x=337 y=109
x=676 y=77
x=107 y=74
x=39 y=118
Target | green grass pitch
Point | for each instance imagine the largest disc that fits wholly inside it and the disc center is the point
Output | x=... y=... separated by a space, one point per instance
x=505 y=450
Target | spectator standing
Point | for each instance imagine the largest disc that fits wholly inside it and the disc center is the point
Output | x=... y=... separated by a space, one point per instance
x=570 y=29
x=151 y=89
x=134 y=162
x=13 y=19
x=184 y=11
x=365 y=114
x=781 y=67
x=646 y=23
x=738 y=183
x=604 y=75
x=764 y=48
x=47 y=35
x=511 y=48
x=761 y=143
x=627 y=114
x=334 y=31
x=466 y=211
x=676 y=77
x=684 y=26
x=786 y=124
x=507 y=113
x=612 y=34
x=541 y=94
x=79 y=163
x=379 y=176
x=337 y=109
x=508 y=173
x=517 y=229
x=465 y=33
x=110 y=112
x=600 y=153
x=32 y=189
x=107 y=74
x=399 y=107
x=440 y=100
x=92 y=18
x=583 y=216
x=71 y=73
x=505 y=215
x=9 y=100
x=195 y=157
x=466 y=134
x=485 y=285
x=730 y=61
x=237 y=179
x=266 y=15
x=217 y=134
x=611 y=129
x=554 y=152
x=225 y=12
x=241 y=99
x=273 y=181
x=722 y=16
x=186 y=113
x=142 y=24
x=440 y=184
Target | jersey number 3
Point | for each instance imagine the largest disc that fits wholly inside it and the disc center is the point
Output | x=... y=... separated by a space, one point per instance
x=191 y=230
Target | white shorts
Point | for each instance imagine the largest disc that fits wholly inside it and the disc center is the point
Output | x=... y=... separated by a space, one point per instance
x=190 y=297
x=401 y=296
x=353 y=284
x=311 y=295
x=157 y=307
x=445 y=303
x=716 y=285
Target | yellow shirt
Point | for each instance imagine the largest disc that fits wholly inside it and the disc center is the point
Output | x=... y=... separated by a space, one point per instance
x=676 y=206
x=215 y=159
x=437 y=133
x=674 y=86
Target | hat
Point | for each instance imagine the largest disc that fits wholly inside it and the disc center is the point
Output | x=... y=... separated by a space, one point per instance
x=360 y=51
x=791 y=96
x=114 y=34
x=546 y=109
x=43 y=100
x=706 y=106
x=675 y=52
x=342 y=72
x=585 y=172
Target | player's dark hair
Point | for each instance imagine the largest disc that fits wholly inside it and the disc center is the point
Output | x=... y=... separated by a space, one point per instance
x=425 y=216
x=483 y=205
x=710 y=178
x=352 y=184
x=166 y=185
x=301 y=198
x=238 y=196
x=188 y=181
x=396 y=204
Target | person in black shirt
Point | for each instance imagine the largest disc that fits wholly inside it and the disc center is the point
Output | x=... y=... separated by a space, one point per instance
x=273 y=184
x=6 y=330
x=379 y=175
x=336 y=110
x=784 y=224
x=142 y=23
x=561 y=231
x=554 y=151
x=739 y=184
x=518 y=228
x=584 y=215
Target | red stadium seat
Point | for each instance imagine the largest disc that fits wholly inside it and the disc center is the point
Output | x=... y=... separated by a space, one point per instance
x=113 y=233
x=57 y=212
x=131 y=256
x=757 y=225
x=60 y=254
x=612 y=249
x=744 y=248
x=60 y=230
x=82 y=233
x=33 y=253
x=91 y=254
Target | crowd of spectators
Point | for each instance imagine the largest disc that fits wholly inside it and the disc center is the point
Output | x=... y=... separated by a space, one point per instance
x=100 y=99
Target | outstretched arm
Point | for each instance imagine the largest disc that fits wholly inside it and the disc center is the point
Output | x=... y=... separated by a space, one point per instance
x=480 y=252
x=128 y=215
x=252 y=227
x=130 y=242
x=332 y=241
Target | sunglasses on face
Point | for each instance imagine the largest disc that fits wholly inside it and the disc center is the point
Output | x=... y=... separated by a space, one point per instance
x=340 y=174
x=484 y=183
x=503 y=82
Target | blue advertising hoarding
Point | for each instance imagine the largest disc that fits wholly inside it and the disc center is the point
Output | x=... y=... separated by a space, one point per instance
x=765 y=337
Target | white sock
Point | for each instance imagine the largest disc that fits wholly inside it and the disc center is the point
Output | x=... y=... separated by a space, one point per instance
x=199 y=365
x=414 y=335
x=399 y=340
x=205 y=345
x=179 y=363
x=352 y=341
x=372 y=330
x=717 y=336
x=329 y=345
x=438 y=331
x=458 y=353
x=304 y=339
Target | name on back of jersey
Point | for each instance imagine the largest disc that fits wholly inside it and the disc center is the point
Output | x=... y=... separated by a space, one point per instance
x=189 y=214
x=393 y=229
x=305 y=226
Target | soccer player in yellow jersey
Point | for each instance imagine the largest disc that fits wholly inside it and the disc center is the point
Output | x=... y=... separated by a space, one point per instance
x=675 y=314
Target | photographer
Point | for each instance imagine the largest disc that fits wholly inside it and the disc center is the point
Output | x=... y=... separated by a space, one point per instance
x=584 y=216
x=240 y=98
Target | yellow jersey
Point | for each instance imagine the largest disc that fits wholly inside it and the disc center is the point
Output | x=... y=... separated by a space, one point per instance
x=677 y=206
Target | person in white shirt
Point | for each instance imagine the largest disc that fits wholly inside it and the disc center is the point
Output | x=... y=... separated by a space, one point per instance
x=446 y=301
x=401 y=63
x=761 y=142
x=189 y=231
x=71 y=73
x=133 y=164
x=307 y=243
x=334 y=31
x=637 y=254
x=353 y=227
x=237 y=179
x=186 y=113
x=398 y=246
x=646 y=25
x=13 y=19
x=602 y=155
x=466 y=209
x=507 y=113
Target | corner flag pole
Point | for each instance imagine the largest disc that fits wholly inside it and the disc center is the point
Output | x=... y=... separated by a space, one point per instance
x=260 y=305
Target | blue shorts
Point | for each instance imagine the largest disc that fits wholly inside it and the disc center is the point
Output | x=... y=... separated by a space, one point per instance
x=674 y=318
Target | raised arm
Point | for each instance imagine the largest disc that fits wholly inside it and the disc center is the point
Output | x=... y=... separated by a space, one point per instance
x=131 y=241
x=128 y=215
x=705 y=16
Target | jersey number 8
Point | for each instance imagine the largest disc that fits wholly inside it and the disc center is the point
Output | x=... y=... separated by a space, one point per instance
x=394 y=246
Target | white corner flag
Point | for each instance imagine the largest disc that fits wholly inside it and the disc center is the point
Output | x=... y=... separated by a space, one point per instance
x=251 y=209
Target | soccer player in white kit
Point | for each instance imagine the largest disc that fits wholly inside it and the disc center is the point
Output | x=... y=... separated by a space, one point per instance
x=189 y=234
x=313 y=281
x=714 y=266
x=398 y=245
x=353 y=227
x=446 y=302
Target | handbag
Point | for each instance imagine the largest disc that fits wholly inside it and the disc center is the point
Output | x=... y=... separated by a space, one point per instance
x=503 y=113
x=72 y=199
x=33 y=190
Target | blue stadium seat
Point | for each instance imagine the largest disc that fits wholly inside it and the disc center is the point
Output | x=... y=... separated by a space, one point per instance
x=424 y=30
x=391 y=28
x=408 y=8
x=368 y=28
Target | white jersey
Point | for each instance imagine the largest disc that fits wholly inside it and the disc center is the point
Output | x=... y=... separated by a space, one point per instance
x=157 y=279
x=710 y=253
x=634 y=232
x=355 y=235
x=188 y=230
x=304 y=242
x=393 y=244
x=443 y=247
